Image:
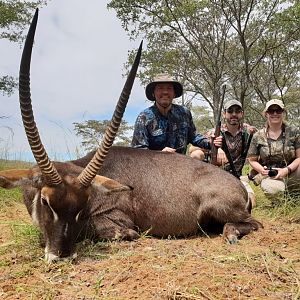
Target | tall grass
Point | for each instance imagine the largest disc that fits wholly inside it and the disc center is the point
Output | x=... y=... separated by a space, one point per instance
x=286 y=207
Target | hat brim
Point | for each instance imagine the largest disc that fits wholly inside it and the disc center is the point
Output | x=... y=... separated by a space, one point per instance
x=150 y=89
x=267 y=107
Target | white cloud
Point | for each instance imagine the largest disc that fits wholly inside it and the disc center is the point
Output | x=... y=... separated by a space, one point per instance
x=76 y=73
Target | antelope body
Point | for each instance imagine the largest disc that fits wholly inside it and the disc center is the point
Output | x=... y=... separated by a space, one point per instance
x=117 y=192
x=167 y=194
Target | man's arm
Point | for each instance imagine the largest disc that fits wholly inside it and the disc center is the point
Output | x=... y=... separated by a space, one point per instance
x=140 y=137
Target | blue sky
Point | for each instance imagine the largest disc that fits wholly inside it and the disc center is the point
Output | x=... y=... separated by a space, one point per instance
x=76 y=75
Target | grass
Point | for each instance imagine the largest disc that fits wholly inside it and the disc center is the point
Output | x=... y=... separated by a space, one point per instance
x=14 y=164
x=287 y=207
x=261 y=266
x=8 y=198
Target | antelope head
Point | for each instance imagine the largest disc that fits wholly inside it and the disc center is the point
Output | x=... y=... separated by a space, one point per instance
x=56 y=193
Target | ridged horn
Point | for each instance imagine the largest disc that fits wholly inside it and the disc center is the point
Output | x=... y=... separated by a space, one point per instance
x=37 y=148
x=91 y=170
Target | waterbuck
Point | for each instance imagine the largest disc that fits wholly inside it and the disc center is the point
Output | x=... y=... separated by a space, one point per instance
x=118 y=192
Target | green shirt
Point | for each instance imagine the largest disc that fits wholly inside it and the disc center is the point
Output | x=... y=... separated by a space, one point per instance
x=275 y=153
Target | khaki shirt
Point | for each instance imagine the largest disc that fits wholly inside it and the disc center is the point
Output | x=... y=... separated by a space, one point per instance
x=275 y=153
x=235 y=144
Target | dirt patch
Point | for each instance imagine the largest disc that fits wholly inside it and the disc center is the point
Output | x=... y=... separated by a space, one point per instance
x=264 y=265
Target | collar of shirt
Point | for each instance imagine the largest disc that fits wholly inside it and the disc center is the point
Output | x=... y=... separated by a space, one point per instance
x=242 y=127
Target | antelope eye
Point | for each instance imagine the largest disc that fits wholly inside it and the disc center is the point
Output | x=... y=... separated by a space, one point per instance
x=44 y=201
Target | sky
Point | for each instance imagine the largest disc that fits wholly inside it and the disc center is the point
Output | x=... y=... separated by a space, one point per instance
x=76 y=75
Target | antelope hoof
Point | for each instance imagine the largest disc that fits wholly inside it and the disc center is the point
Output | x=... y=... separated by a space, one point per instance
x=230 y=234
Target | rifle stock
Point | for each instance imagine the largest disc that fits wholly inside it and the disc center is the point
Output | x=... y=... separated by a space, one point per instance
x=214 y=149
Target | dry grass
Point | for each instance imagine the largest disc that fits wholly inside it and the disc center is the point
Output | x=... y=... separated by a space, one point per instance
x=264 y=265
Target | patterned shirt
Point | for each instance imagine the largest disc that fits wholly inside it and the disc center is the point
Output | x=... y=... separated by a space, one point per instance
x=155 y=131
x=236 y=146
x=275 y=153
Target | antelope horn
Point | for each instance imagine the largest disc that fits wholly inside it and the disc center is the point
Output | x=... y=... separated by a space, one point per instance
x=31 y=130
x=95 y=164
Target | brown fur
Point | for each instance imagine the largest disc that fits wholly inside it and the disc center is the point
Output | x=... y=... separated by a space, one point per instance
x=165 y=194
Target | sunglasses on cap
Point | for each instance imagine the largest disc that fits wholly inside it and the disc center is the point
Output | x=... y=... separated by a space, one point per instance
x=272 y=111
x=232 y=110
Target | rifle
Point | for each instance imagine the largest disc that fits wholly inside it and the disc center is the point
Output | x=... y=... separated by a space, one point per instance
x=214 y=149
x=244 y=154
x=229 y=158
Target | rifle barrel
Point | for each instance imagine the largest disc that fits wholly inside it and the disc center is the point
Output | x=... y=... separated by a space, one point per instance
x=214 y=149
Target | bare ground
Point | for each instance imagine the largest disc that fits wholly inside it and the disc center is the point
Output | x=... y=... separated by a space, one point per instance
x=264 y=265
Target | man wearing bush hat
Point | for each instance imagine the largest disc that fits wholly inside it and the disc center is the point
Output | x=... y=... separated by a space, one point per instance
x=167 y=126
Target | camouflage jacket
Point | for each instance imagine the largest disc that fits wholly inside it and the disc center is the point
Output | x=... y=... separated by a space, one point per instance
x=236 y=146
x=275 y=153
x=154 y=131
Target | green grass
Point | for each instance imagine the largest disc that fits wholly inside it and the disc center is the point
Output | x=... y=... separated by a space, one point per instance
x=286 y=207
x=9 y=197
x=25 y=237
x=14 y=164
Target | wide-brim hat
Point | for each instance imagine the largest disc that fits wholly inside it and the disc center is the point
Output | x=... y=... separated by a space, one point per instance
x=232 y=103
x=273 y=102
x=163 y=78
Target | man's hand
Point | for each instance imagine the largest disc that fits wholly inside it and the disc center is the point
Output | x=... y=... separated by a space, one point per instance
x=251 y=129
x=221 y=157
x=217 y=141
x=282 y=173
x=168 y=149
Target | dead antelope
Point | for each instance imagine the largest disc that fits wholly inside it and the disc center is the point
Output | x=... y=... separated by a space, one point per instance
x=118 y=192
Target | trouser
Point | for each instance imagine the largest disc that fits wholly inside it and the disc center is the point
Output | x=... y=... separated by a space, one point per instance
x=251 y=195
x=272 y=187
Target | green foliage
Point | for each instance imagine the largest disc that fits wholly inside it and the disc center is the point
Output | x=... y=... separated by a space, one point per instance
x=92 y=133
x=7 y=85
x=252 y=46
x=14 y=17
x=202 y=118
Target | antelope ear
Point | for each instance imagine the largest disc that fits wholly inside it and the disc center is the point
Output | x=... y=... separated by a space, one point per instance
x=110 y=185
x=10 y=179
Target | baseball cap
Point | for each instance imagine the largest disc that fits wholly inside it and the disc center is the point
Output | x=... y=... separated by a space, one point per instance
x=232 y=103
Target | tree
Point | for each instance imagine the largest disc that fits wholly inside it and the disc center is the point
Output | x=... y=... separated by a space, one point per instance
x=246 y=44
x=92 y=133
x=14 y=16
x=202 y=118
x=182 y=39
